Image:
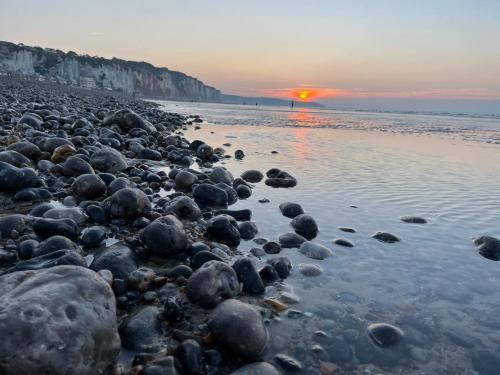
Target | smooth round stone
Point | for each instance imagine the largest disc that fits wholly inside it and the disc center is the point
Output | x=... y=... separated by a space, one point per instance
x=108 y=160
x=257 y=252
x=204 y=152
x=257 y=368
x=224 y=229
x=27 y=149
x=74 y=213
x=190 y=355
x=14 y=158
x=88 y=186
x=126 y=203
x=55 y=258
x=65 y=311
x=62 y=152
x=280 y=179
x=75 y=166
x=238 y=327
x=305 y=225
x=184 y=180
x=248 y=230
x=31 y=194
x=13 y=179
x=141 y=332
x=343 y=242
x=93 y=236
x=384 y=334
x=117 y=258
x=290 y=209
x=315 y=251
x=413 y=220
x=291 y=240
x=386 y=237
x=210 y=195
x=52 y=227
x=268 y=274
x=202 y=257
x=310 y=270
x=184 y=208
x=165 y=236
x=272 y=247
x=212 y=283
x=248 y=276
x=118 y=184
x=282 y=266
x=14 y=222
x=220 y=174
x=288 y=362
x=252 y=175
x=347 y=229
x=488 y=247
x=243 y=191
x=179 y=271
x=52 y=244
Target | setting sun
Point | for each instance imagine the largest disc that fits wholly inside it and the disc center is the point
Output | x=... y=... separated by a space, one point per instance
x=303 y=95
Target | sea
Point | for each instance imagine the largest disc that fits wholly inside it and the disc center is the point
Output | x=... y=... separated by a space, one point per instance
x=366 y=170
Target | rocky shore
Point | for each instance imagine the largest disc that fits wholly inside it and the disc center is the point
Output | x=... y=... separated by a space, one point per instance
x=111 y=265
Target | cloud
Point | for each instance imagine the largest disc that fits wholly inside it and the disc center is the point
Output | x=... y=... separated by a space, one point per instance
x=330 y=92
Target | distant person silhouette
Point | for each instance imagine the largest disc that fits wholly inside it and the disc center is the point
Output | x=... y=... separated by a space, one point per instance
x=293 y=103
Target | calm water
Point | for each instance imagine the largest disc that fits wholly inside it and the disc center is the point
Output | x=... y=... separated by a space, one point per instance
x=433 y=284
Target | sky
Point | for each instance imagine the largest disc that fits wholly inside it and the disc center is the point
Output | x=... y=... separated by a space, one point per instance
x=353 y=52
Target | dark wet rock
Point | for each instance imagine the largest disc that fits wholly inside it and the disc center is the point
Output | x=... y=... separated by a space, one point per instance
x=212 y=283
x=243 y=191
x=488 y=247
x=315 y=251
x=384 y=334
x=190 y=356
x=290 y=209
x=75 y=166
x=141 y=279
x=248 y=276
x=268 y=274
x=126 y=203
x=142 y=331
x=165 y=236
x=224 y=229
x=93 y=236
x=413 y=220
x=252 y=175
x=202 y=257
x=220 y=174
x=281 y=265
x=386 y=237
x=89 y=186
x=272 y=247
x=310 y=270
x=240 y=215
x=305 y=225
x=13 y=179
x=196 y=247
x=96 y=213
x=127 y=120
x=184 y=208
x=52 y=227
x=173 y=310
x=55 y=258
x=257 y=368
x=26 y=248
x=238 y=327
x=257 y=252
x=74 y=213
x=108 y=178
x=232 y=195
x=248 y=230
x=50 y=144
x=239 y=154
x=343 y=242
x=52 y=244
x=27 y=149
x=39 y=210
x=210 y=195
x=117 y=258
x=279 y=178
x=31 y=119
x=291 y=240
x=14 y=222
x=31 y=194
x=288 y=362
x=69 y=316
x=14 y=158
x=120 y=183
x=204 y=152
x=185 y=179
x=347 y=229
x=108 y=160
x=180 y=270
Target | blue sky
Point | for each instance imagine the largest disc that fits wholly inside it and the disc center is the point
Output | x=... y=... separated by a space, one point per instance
x=434 y=50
